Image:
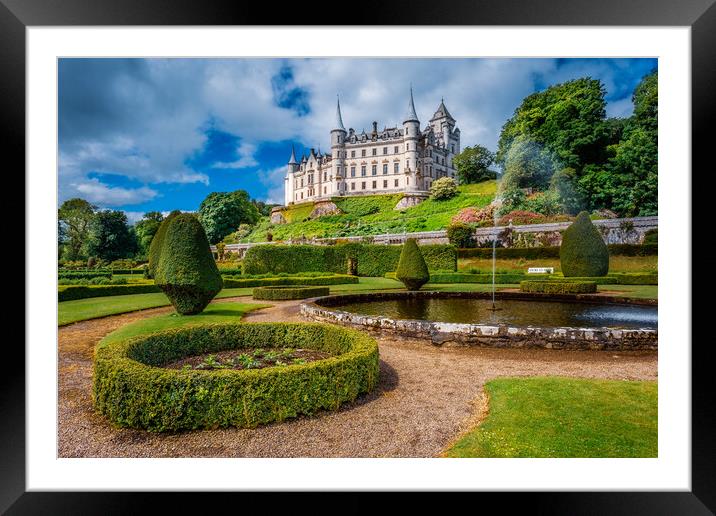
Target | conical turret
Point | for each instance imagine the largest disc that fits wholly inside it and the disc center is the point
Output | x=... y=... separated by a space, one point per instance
x=339 y=119
x=411 y=116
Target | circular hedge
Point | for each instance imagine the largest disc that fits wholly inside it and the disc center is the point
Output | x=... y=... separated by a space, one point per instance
x=279 y=293
x=132 y=389
x=559 y=287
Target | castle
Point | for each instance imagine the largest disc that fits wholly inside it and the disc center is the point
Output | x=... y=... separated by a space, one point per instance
x=405 y=160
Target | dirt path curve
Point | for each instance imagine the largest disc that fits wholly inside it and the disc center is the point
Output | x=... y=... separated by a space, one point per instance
x=426 y=396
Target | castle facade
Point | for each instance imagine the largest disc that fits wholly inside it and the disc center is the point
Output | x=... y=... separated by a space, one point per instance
x=396 y=159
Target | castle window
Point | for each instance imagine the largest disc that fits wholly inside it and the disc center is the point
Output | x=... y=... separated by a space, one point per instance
x=301 y=186
x=362 y=153
x=396 y=183
x=362 y=185
x=452 y=149
x=362 y=170
x=375 y=151
x=353 y=186
x=385 y=168
x=395 y=150
x=374 y=185
x=374 y=169
x=396 y=168
x=325 y=189
x=353 y=171
x=353 y=154
x=385 y=150
x=325 y=174
x=385 y=184
x=407 y=146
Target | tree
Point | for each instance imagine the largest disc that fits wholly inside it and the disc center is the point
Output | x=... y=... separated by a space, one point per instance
x=412 y=270
x=566 y=119
x=263 y=207
x=583 y=252
x=222 y=212
x=75 y=216
x=527 y=165
x=110 y=237
x=187 y=272
x=473 y=164
x=563 y=183
x=146 y=228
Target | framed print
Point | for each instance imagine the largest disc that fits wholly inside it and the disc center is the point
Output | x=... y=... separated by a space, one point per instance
x=414 y=255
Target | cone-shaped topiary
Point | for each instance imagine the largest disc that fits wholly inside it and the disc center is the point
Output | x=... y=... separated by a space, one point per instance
x=583 y=251
x=412 y=269
x=156 y=246
x=186 y=271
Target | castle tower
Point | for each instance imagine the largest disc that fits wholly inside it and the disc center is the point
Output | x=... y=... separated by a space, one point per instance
x=443 y=124
x=338 y=146
x=411 y=128
x=288 y=182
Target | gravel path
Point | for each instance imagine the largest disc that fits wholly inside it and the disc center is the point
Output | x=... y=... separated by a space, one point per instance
x=426 y=397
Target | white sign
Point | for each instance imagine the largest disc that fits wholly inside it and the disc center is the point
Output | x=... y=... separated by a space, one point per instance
x=540 y=270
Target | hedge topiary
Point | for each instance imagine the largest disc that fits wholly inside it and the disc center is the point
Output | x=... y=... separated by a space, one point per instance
x=155 y=247
x=461 y=235
x=132 y=389
x=583 y=251
x=412 y=269
x=283 y=293
x=186 y=271
x=559 y=287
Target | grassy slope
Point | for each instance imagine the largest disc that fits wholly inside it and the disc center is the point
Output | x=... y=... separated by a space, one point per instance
x=561 y=417
x=374 y=214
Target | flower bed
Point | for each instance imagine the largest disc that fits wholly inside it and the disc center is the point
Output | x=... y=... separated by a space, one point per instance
x=559 y=287
x=132 y=389
x=286 y=293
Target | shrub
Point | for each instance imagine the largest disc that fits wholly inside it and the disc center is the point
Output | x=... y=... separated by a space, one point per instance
x=583 y=251
x=155 y=248
x=521 y=217
x=132 y=390
x=229 y=271
x=93 y=281
x=535 y=253
x=474 y=216
x=186 y=271
x=71 y=293
x=412 y=270
x=457 y=277
x=286 y=293
x=559 y=287
x=268 y=281
x=460 y=234
x=371 y=259
x=651 y=237
x=84 y=274
x=443 y=188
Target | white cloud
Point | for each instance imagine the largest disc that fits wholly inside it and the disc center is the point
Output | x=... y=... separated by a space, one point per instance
x=246 y=159
x=98 y=193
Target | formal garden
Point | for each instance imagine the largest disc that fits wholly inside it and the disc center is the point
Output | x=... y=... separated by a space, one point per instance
x=348 y=341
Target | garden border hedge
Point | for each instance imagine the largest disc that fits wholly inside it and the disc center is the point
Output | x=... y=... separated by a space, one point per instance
x=535 y=253
x=84 y=274
x=131 y=391
x=285 y=293
x=72 y=292
x=274 y=281
x=559 y=287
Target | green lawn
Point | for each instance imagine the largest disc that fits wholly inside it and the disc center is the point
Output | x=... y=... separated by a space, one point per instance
x=562 y=417
x=214 y=313
x=616 y=264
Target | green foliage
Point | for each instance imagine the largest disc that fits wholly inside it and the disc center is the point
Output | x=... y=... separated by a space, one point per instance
x=651 y=237
x=583 y=251
x=74 y=219
x=70 y=293
x=109 y=236
x=564 y=186
x=559 y=287
x=221 y=213
x=412 y=270
x=461 y=235
x=146 y=228
x=84 y=274
x=486 y=278
x=527 y=165
x=443 y=189
x=186 y=271
x=268 y=280
x=132 y=390
x=282 y=293
x=373 y=260
x=155 y=248
x=473 y=164
x=535 y=253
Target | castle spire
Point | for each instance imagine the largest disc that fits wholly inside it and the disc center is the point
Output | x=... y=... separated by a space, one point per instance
x=293 y=161
x=411 y=108
x=339 y=120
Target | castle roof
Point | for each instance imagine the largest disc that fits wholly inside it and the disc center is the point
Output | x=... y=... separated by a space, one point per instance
x=411 y=116
x=339 y=119
x=442 y=112
x=293 y=161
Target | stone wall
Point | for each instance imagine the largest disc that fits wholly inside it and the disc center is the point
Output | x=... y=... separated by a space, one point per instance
x=327 y=309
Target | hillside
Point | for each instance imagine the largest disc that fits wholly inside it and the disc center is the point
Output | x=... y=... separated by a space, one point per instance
x=373 y=215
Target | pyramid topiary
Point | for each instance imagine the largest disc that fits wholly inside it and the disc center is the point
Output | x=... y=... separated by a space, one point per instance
x=156 y=246
x=412 y=269
x=186 y=271
x=583 y=251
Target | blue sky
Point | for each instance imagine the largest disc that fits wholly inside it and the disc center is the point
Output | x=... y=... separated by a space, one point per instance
x=161 y=134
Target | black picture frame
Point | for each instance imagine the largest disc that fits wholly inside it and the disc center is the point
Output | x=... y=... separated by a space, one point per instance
x=700 y=15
